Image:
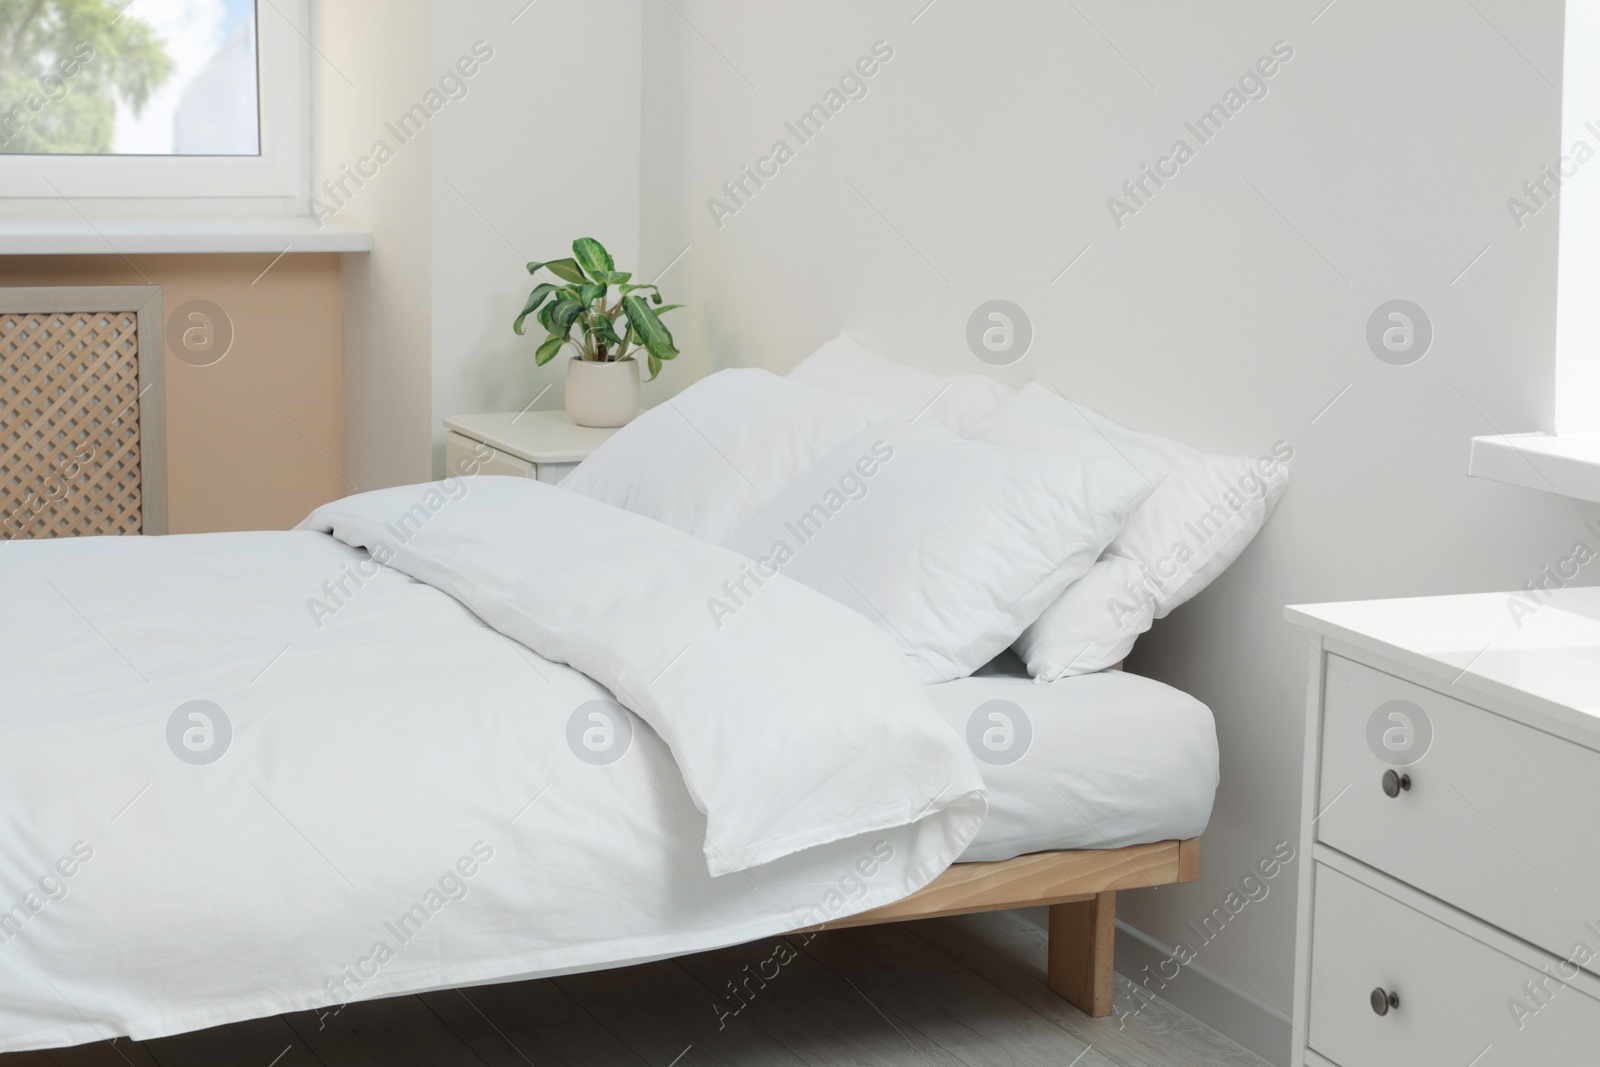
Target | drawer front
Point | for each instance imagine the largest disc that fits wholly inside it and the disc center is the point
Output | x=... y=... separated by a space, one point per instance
x=1455 y=993
x=1498 y=819
x=459 y=449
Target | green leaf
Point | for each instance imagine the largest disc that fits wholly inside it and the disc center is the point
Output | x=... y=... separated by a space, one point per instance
x=626 y=289
x=545 y=319
x=594 y=257
x=565 y=314
x=615 y=277
x=535 y=298
x=565 y=269
x=655 y=368
x=655 y=337
x=607 y=333
x=548 y=350
x=590 y=293
x=663 y=310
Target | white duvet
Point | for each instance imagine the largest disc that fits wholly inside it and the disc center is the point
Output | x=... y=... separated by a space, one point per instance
x=381 y=792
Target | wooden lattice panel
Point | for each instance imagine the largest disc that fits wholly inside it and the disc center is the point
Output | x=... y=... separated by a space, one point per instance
x=69 y=424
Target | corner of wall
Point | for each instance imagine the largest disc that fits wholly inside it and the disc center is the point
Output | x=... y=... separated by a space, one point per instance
x=503 y=196
x=386 y=292
x=1202 y=993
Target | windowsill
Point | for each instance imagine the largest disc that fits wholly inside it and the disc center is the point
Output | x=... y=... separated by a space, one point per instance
x=1568 y=465
x=77 y=237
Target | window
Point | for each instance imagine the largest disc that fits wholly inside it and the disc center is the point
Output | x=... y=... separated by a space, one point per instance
x=1578 y=274
x=1567 y=461
x=195 y=100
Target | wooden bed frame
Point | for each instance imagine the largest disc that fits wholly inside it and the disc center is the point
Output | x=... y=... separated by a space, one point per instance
x=1079 y=886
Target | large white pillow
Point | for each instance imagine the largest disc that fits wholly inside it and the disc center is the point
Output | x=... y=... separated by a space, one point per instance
x=952 y=546
x=959 y=402
x=709 y=458
x=1202 y=513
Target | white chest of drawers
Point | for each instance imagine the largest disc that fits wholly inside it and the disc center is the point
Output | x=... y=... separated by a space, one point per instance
x=1452 y=815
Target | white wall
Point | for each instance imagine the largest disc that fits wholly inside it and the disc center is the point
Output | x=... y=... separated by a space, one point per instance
x=536 y=146
x=362 y=80
x=1228 y=312
x=544 y=149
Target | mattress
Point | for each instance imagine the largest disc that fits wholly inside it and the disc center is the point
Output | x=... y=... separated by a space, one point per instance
x=1102 y=760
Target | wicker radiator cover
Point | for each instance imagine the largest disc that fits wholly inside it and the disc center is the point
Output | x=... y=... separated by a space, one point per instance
x=81 y=434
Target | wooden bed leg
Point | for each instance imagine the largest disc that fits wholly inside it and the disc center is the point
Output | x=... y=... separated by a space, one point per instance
x=1082 y=946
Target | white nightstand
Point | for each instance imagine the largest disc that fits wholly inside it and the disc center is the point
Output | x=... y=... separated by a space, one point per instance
x=1450 y=894
x=532 y=444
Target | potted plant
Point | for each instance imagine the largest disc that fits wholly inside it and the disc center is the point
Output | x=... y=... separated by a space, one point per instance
x=603 y=377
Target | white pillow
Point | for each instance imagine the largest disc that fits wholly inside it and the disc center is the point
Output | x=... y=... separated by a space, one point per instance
x=1090 y=626
x=952 y=546
x=959 y=402
x=1203 y=512
x=709 y=458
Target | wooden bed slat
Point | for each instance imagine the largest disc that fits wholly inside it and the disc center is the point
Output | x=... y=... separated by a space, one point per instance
x=1040 y=878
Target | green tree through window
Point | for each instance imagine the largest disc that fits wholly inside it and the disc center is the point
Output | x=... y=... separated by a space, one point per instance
x=64 y=64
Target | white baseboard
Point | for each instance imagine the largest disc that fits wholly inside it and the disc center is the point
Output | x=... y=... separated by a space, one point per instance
x=1238 y=1014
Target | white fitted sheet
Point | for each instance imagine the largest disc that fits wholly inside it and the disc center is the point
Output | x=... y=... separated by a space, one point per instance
x=1115 y=760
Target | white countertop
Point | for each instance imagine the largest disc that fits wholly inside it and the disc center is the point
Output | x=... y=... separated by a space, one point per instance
x=1541 y=655
x=536 y=436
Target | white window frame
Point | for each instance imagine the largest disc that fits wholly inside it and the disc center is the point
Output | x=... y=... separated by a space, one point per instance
x=1577 y=400
x=1567 y=461
x=278 y=177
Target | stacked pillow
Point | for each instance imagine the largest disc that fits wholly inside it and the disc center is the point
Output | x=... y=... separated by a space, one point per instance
x=1201 y=513
x=959 y=402
x=1046 y=526
x=715 y=454
x=953 y=546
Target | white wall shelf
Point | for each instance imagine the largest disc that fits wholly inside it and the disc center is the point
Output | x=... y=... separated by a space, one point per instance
x=79 y=237
x=1568 y=464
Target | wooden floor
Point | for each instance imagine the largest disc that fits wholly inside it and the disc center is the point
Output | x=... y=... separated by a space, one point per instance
x=967 y=991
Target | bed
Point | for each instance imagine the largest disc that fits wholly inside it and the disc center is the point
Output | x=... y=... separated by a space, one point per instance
x=1112 y=794
x=245 y=774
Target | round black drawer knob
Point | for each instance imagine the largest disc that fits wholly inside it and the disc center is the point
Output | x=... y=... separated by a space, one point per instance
x=1382 y=1001
x=1393 y=784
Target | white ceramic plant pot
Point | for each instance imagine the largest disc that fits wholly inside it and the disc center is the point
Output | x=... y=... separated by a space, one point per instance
x=602 y=394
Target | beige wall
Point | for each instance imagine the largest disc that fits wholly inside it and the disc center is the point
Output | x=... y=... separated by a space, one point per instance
x=234 y=460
